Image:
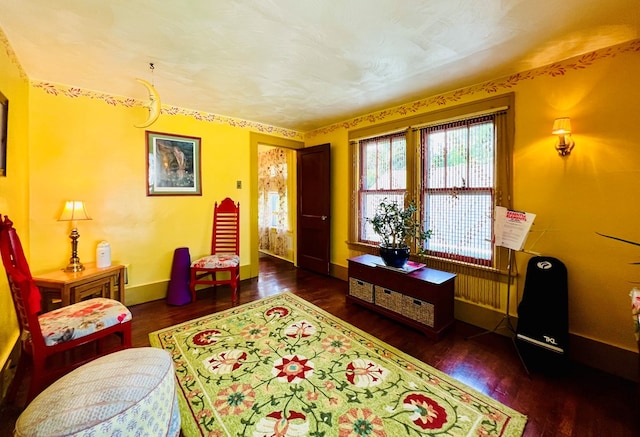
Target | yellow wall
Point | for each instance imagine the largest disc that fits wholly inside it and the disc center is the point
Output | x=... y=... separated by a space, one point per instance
x=14 y=187
x=593 y=189
x=63 y=146
x=83 y=149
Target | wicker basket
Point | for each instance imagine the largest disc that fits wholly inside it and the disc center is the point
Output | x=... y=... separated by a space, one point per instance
x=417 y=310
x=389 y=299
x=361 y=289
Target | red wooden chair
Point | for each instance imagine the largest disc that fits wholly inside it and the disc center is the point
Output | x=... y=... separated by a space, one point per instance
x=51 y=341
x=225 y=251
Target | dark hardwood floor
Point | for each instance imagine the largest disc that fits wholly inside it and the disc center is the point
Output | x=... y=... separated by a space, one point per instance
x=581 y=402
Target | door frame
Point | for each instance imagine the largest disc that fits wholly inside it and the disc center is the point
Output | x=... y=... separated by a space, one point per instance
x=268 y=140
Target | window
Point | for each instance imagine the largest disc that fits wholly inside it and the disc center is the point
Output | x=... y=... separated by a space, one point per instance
x=457 y=170
x=458 y=189
x=383 y=174
x=274 y=209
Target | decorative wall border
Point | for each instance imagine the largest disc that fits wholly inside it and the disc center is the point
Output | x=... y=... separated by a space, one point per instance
x=128 y=102
x=13 y=58
x=489 y=87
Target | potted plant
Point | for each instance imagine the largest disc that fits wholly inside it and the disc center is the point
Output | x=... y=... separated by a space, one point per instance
x=397 y=226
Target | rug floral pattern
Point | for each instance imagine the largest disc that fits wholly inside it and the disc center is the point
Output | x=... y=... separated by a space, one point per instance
x=282 y=367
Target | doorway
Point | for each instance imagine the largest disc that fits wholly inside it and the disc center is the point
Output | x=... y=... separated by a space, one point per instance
x=257 y=141
x=294 y=204
x=275 y=201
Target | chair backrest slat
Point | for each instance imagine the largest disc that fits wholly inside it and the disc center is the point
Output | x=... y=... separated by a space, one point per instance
x=225 y=237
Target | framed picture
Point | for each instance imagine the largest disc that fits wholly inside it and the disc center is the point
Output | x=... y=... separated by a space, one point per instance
x=4 y=121
x=173 y=165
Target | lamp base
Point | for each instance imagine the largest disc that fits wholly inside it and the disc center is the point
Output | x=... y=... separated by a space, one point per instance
x=74 y=266
x=74 y=262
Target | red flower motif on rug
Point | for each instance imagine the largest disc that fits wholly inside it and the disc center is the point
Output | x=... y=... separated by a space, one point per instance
x=277 y=312
x=292 y=369
x=276 y=424
x=427 y=413
x=206 y=338
x=365 y=373
x=300 y=329
x=225 y=362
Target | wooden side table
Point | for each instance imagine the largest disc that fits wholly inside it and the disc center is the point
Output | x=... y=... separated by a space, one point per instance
x=60 y=288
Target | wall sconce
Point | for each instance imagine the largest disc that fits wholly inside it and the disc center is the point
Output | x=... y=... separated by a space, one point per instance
x=74 y=210
x=562 y=128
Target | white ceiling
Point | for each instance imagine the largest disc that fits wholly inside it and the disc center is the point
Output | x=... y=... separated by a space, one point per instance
x=302 y=64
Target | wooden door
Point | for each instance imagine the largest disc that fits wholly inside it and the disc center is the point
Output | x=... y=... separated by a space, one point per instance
x=314 y=208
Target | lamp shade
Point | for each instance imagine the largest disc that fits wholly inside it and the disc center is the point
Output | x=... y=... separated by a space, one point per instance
x=74 y=210
x=561 y=126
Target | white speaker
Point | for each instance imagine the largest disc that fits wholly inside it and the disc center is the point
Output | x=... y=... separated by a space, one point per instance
x=103 y=255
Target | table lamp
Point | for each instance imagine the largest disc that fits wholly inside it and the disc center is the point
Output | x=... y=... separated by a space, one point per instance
x=74 y=210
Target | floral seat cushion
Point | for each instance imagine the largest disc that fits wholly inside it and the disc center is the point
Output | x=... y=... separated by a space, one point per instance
x=217 y=261
x=81 y=319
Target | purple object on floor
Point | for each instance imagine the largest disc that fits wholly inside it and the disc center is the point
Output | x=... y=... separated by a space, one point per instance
x=179 y=293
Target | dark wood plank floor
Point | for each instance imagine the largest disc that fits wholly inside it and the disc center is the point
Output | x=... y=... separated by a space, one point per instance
x=583 y=402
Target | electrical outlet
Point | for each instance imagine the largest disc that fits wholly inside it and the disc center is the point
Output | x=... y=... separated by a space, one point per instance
x=238 y=184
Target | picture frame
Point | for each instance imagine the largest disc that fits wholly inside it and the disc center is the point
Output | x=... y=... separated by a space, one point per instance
x=4 y=125
x=173 y=165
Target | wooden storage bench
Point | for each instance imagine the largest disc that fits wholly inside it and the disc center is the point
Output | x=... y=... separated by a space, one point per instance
x=422 y=299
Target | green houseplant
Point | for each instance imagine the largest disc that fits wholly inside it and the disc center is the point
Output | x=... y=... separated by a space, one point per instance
x=397 y=226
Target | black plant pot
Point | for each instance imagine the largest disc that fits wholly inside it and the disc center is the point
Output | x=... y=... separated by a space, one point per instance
x=394 y=257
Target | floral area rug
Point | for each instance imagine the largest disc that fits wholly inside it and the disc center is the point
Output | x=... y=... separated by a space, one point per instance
x=280 y=366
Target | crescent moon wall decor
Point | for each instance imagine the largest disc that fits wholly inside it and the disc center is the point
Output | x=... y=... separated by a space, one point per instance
x=153 y=106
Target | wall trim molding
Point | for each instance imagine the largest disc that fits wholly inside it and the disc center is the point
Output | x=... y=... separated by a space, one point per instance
x=586 y=351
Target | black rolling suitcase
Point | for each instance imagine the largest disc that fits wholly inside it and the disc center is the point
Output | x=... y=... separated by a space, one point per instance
x=542 y=334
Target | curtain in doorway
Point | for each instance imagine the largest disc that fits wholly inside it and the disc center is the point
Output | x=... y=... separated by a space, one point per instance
x=273 y=202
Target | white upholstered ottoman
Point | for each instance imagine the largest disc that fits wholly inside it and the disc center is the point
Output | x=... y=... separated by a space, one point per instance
x=126 y=393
